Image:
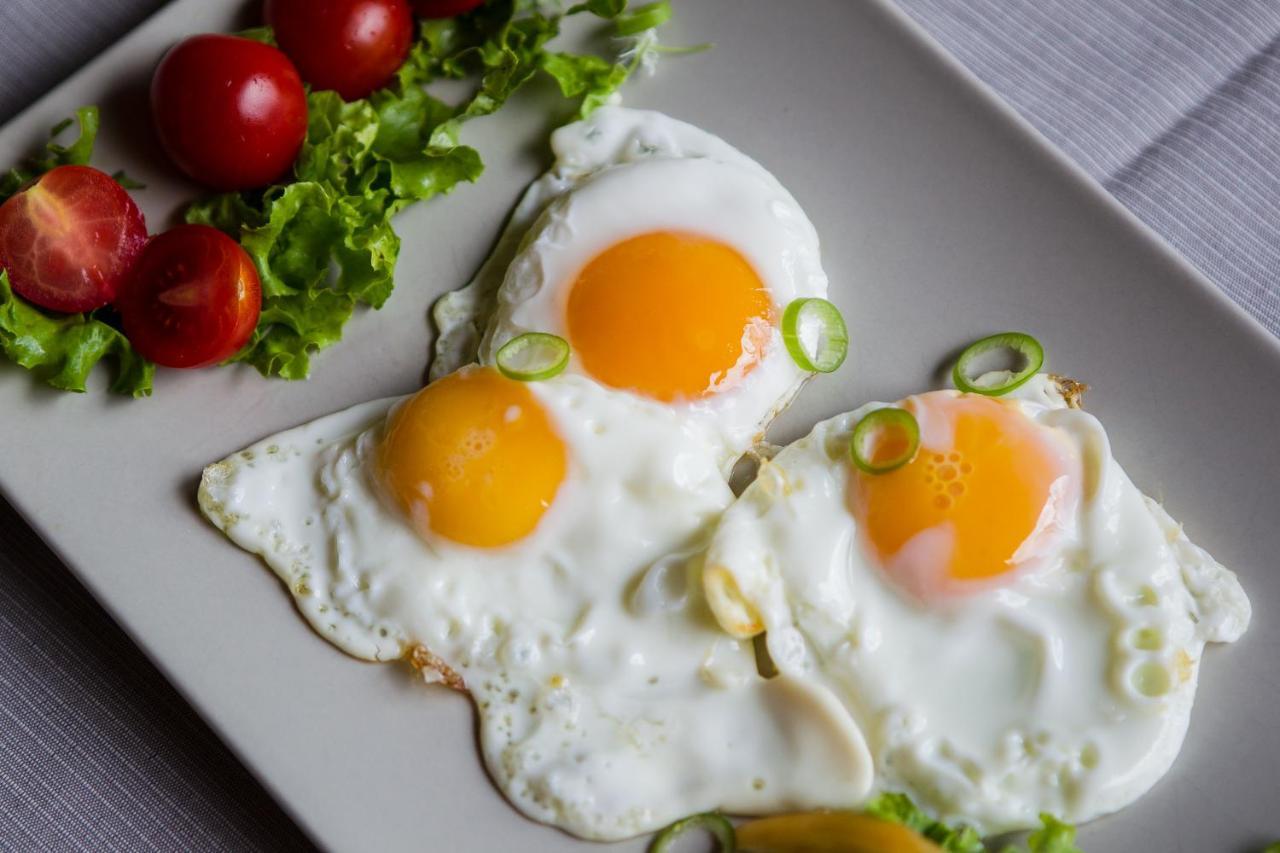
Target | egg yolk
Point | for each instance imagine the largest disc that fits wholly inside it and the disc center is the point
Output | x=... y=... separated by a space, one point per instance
x=473 y=457
x=669 y=315
x=986 y=491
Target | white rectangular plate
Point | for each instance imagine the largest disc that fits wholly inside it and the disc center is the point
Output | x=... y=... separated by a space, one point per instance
x=943 y=217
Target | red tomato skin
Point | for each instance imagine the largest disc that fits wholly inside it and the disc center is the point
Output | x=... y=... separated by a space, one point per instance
x=230 y=112
x=70 y=238
x=444 y=8
x=350 y=46
x=193 y=299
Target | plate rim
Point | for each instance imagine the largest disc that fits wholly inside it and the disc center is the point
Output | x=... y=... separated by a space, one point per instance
x=997 y=111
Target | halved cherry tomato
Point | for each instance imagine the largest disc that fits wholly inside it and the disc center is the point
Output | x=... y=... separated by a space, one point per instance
x=350 y=46
x=69 y=239
x=444 y=8
x=230 y=112
x=193 y=299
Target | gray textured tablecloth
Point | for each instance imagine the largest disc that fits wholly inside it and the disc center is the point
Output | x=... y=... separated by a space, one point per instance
x=1173 y=105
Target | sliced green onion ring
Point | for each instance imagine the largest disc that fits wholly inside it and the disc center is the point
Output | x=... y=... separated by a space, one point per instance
x=1020 y=344
x=643 y=18
x=533 y=356
x=713 y=822
x=878 y=427
x=815 y=334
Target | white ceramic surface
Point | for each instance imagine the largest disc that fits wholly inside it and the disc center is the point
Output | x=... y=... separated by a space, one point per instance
x=943 y=217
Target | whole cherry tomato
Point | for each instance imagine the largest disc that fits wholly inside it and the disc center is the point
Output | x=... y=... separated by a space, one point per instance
x=231 y=112
x=193 y=298
x=444 y=8
x=350 y=46
x=69 y=239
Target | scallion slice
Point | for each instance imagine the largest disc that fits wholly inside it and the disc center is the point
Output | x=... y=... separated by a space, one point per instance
x=815 y=334
x=643 y=18
x=716 y=824
x=884 y=440
x=533 y=356
x=1024 y=348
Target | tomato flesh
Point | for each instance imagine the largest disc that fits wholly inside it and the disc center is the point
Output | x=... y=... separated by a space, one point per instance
x=350 y=46
x=444 y=8
x=230 y=112
x=193 y=299
x=69 y=239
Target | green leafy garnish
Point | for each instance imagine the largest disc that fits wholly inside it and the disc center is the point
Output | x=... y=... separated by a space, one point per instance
x=319 y=254
x=646 y=17
x=55 y=154
x=1054 y=836
x=62 y=349
x=323 y=244
x=898 y=808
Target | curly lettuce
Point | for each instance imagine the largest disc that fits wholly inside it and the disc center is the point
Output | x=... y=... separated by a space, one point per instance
x=55 y=154
x=898 y=808
x=63 y=349
x=1053 y=836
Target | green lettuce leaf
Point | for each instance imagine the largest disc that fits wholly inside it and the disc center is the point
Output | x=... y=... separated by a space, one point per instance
x=263 y=34
x=318 y=254
x=292 y=327
x=77 y=153
x=898 y=808
x=600 y=8
x=55 y=154
x=311 y=239
x=1054 y=836
x=62 y=349
x=588 y=76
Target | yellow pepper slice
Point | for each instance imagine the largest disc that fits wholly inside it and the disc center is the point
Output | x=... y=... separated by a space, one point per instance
x=829 y=832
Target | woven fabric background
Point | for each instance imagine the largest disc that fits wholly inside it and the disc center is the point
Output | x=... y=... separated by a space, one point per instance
x=1172 y=105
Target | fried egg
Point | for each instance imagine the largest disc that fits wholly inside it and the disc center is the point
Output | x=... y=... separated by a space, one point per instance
x=1012 y=625
x=665 y=258
x=536 y=545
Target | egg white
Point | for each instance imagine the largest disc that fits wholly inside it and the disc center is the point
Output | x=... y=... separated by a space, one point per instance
x=609 y=701
x=618 y=174
x=996 y=706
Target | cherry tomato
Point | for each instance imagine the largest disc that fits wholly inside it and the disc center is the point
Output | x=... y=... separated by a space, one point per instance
x=193 y=298
x=350 y=46
x=70 y=238
x=444 y=8
x=230 y=112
